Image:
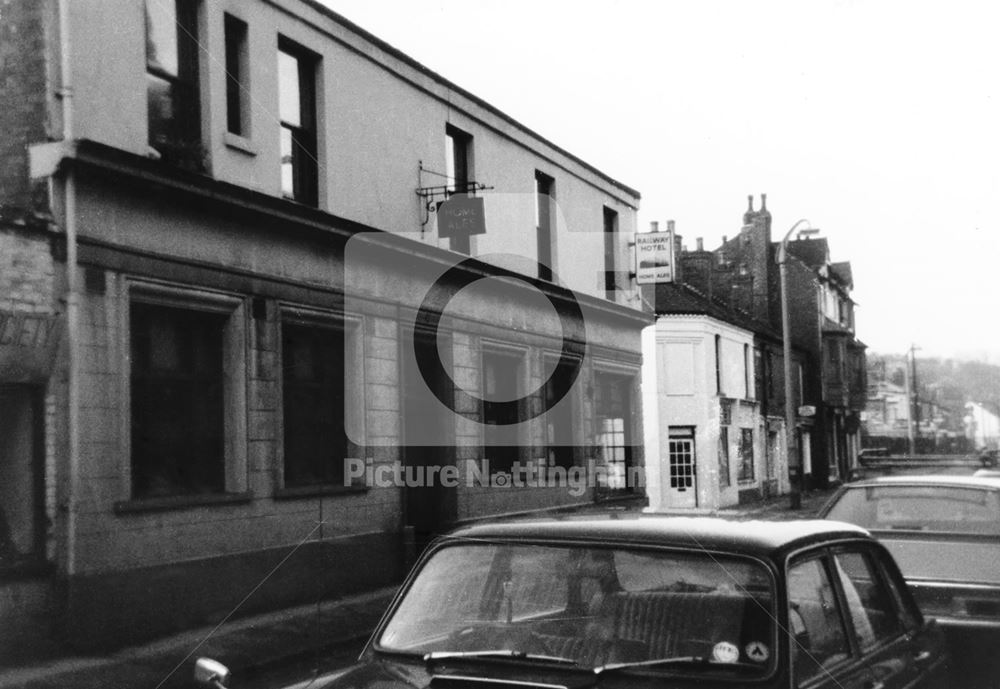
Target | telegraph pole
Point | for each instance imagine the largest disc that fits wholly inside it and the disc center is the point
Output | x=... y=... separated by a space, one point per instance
x=912 y=400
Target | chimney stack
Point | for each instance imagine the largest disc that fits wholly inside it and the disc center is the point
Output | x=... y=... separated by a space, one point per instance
x=654 y=226
x=748 y=216
x=700 y=243
x=679 y=251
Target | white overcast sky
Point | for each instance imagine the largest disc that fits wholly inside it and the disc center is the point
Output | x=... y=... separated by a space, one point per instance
x=877 y=121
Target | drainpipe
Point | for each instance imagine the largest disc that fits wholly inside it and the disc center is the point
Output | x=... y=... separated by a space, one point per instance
x=72 y=298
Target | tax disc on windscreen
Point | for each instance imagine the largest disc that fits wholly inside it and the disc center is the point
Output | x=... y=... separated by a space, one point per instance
x=725 y=652
x=757 y=651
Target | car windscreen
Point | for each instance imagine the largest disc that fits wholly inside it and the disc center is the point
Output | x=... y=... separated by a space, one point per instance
x=952 y=509
x=591 y=605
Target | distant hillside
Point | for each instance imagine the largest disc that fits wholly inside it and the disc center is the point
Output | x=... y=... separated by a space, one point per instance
x=948 y=383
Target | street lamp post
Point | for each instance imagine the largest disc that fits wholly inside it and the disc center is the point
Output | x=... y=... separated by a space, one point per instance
x=795 y=495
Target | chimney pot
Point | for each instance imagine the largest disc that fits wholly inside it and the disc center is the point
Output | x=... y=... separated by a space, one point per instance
x=724 y=239
x=700 y=243
x=763 y=202
x=670 y=226
x=750 y=203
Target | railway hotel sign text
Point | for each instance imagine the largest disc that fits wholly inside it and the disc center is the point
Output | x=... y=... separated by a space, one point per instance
x=654 y=257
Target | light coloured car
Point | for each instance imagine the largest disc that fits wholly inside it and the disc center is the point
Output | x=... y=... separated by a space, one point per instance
x=944 y=533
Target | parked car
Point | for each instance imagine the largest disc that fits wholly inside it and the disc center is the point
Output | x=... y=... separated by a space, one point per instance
x=644 y=600
x=875 y=464
x=944 y=532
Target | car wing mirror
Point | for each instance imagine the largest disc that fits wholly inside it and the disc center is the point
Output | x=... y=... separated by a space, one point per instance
x=211 y=673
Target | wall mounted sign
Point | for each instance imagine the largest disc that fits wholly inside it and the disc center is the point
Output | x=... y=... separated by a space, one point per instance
x=28 y=343
x=654 y=257
x=461 y=215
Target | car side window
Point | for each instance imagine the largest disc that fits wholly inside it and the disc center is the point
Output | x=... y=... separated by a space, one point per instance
x=870 y=605
x=909 y=614
x=818 y=638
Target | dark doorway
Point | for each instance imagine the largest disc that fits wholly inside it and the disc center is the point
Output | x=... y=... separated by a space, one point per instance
x=428 y=440
x=22 y=471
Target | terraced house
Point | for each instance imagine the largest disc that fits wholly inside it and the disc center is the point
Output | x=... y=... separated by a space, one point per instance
x=254 y=254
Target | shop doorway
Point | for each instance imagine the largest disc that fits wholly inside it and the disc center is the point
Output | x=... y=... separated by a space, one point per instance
x=22 y=472
x=428 y=439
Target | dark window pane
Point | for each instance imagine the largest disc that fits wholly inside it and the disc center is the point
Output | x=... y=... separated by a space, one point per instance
x=610 y=238
x=297 y=105
x=174 y=118
x=818 y=638
x=746 y=461
x=544 y=206
x=559 y=419
x=236 y=37
x=315 y=443
x=162 y=104
x=177 y=401
x=869 y=603
x=501 y=374
x=724 y=479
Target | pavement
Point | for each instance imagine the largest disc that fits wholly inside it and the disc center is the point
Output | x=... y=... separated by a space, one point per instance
x=256 y=645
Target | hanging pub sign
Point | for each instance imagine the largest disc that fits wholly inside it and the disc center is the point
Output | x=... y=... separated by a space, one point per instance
x=28 y=343
x=654 y=257
x=461 y=215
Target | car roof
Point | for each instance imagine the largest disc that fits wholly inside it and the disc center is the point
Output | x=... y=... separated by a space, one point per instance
x=986 y=482
x=762 y=538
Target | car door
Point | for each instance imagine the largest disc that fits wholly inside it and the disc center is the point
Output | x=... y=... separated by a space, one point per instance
x=896 y=649
x=821 y=653
x=878 y=631
x=927 y=641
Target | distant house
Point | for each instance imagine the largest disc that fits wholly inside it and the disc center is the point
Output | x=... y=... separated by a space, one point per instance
x=982 y=426
x=708 y=444
x=725 y=307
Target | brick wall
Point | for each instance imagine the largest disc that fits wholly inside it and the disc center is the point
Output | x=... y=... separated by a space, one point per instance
x=27 y=270
x=23 y=95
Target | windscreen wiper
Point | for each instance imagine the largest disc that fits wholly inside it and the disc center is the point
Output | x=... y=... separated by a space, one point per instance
x=433 y=656
x=674 y=660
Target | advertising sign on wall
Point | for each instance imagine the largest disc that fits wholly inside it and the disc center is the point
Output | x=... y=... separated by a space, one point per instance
x=654 y=257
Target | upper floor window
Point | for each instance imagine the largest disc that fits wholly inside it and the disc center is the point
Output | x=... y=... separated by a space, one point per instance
x=172 y=81
x=746 y=372
x=297 y=112
x=610 y=240
x=718 y=364
x=237 y=71
x=544 y=220
x=458 y=168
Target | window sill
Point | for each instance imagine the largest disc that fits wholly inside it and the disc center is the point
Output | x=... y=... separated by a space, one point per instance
x=181 y=502
x=240 y=143
x=320 y=490
x=26 y=567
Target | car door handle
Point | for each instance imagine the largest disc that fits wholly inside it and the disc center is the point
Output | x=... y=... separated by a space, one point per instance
x=922 y=657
